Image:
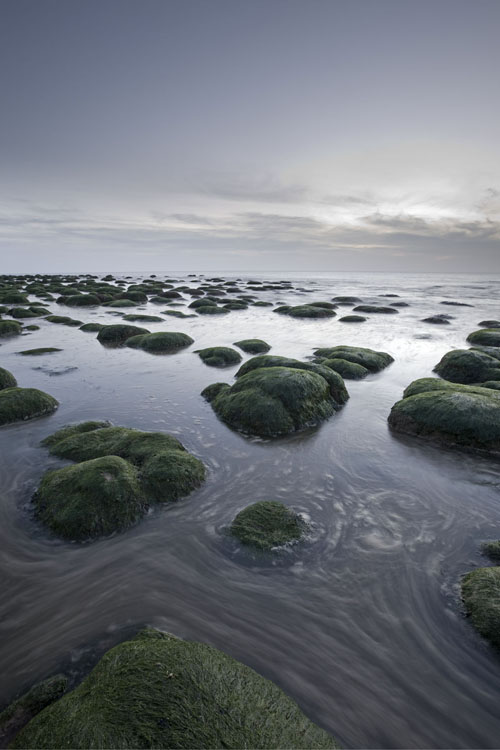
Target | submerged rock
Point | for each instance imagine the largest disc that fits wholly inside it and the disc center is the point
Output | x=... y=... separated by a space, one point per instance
x=158 y=691
x=252 y=346
x=120 y=473
x=454 y=414
x=267 y=524
x=119 y=333
x=468 y=366
x=369 y=358
x=20 y=404
x=7 y=379
x=219 y=356
x=481 y=596
x=162 y=342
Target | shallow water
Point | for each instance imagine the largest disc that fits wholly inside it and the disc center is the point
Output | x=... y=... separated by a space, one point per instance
x=362 y=624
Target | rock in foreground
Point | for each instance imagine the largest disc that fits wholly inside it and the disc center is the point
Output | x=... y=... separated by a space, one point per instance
x=20 y=404
x=157 y=691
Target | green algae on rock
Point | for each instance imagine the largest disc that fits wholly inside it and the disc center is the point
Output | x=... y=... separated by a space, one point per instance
x=219 y=356
x=7 y=379
x=369 y=358
x=159 y=691
x=162 y=342
x=348 y=370
x=485 y=337
x=21 y=404
x=310 y=310
x=117 y=334
x=267 y=524
x=468 y=366
x=10 y=327
x=92 y=327
x=452 y=413
x=23 y=709
x=375 y=309
x=352 y=319
x=491 y=550
x=38 y=352
x=138 y=318
x=63 y=320
x=144 y=468
x=252 y=346
x=481 y=596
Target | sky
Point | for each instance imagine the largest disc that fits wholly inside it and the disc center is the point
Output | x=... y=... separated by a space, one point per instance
x=259 y=135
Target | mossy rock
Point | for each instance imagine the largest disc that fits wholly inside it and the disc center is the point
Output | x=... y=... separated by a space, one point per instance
x=23 y=709
x=308 y=311
x=92 y=327
x=90 y=499
x=63 y=320
x=7 y=379
x=253 y=346
x=31 y=328
x=219 y=356
x=204 y=302
x=346 y=300
x=13 y=298
x=348 y=370
x=27 y=312
x=491 y=550
x=178 y=314
x=437 y=320
x=261 y=303
x=481 y=596
x=157 y=691
x=235 y=305
x=20 y=404
x=464 y=415
x=267 y=524
x=82 y=300
x=273 y=401
x=375 y=309
x=137 y=318
x=40 y=351
x=162 y=342
x=118 y=334
x=211 y=310
x=369 y=358
x=352 y=319
x=158 y=469
x=10 y=327
x=468 y=366
x=121 y=303
x=337 y=386
x=489 y=324
x=485 y=337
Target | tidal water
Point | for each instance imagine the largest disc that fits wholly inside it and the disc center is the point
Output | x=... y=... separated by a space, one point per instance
x=362 y=624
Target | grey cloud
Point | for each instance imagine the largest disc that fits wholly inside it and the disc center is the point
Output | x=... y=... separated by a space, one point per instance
x=265 y=189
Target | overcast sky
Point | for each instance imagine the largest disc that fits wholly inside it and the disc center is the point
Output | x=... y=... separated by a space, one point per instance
x=185 y=135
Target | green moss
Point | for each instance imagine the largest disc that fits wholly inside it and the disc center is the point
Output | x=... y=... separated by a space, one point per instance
x=375 y=309
x=63 y=320
x=307 y=311
x=468 y=366
x=10 y=327
x=348 y=370
x=160 y=343
x=121 y=303
x=157 y=691
x=219 y=356
x=91 y=499
x=211 y=310
x=489 y=324
x=235 y=305
x=177 y=314
x=352 y=319
x=137 y=318
x=204 y=302
x=481 y=595
x=337 y=386
x=31 y=328
x=119 y=333
x=373 y=361
x=82 y=300
x=92 y=327
x=41 y=350
x=24 y=708
x=27 y=312
x=7 y=379
x=437 y=319
x=346 y=300
x=13 y=298
x=485 y=337
x=267 y=524
x=468 y=416
x=253 y=346
x=20 y=404
x=492 y=550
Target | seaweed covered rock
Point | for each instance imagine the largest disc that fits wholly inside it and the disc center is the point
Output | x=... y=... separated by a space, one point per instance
x=253 y=346
x=352 y=319
x=211 y=310
x=63 y=320
x=162 y=342
x=454 y=414
x=267 y=524
x=491 y=550
x=310 y=310
x=20 y=404
x=348 y=370
x=23 y=709
x=468 y=366
x=7 y=379
x=439 y=320
x=92 y=327
x=115 y=335
x=219 y=356
x=158 y=691
x=38 y=352
x=138 y=318
x=272 y=401
x=485 y=337
x=489 y=324
x=369 y=358
x=121 y=472
x=481 y=596
x=375 y=309
x=10 y=327
x=82 y=300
